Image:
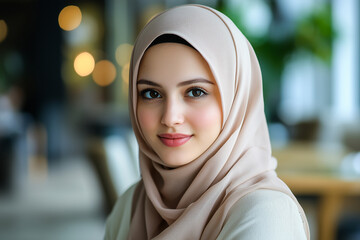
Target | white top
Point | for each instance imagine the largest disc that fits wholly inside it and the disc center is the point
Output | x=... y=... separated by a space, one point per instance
x=263 y=214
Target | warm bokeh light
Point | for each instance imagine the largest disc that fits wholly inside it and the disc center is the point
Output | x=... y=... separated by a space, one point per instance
x=125 y=73
x=123 y=54
x=104 y=73
x=151 y=12
x=3 y=30
x=70 y=18
x=84 y=64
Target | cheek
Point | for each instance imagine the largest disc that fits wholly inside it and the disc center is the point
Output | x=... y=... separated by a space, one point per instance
x=147 y=118
x=207 y=118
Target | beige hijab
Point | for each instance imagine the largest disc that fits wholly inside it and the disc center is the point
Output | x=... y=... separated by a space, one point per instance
x=192 y=201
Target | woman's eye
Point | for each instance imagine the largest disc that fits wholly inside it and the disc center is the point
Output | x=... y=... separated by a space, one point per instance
x=196 y=92
x=150 y=94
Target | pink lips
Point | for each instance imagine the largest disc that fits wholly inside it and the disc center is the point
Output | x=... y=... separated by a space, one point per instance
x=174 y=139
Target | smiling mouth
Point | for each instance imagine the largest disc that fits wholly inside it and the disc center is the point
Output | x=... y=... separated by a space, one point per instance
x=174 y=139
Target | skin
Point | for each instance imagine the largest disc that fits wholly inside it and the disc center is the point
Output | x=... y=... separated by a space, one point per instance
x=177 y=93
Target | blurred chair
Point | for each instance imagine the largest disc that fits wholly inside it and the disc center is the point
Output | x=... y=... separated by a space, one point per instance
x=115 y=160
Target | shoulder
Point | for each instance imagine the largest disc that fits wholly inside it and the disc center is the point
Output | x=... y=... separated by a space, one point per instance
x=264 y=214
x=118 y=222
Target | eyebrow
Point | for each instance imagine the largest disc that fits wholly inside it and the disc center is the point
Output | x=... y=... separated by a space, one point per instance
x=184 y=83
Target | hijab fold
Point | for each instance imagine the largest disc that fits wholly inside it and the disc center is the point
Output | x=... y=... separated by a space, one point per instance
x=193 y=201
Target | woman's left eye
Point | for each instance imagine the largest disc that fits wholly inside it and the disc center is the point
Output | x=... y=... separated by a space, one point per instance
x=196 y=92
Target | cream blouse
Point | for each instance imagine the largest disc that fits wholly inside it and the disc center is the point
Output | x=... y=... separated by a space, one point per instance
x=262 y=214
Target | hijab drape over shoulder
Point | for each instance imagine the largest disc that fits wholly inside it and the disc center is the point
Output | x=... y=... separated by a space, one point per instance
x=192 y=201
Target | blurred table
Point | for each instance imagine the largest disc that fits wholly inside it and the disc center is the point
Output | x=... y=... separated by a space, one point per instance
x=315 y=170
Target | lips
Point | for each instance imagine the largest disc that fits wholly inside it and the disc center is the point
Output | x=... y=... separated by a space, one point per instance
x=174 y=139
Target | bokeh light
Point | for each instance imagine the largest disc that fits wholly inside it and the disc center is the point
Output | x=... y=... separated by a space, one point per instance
x=123 y=54
x=84 y=64
x=70 y=18
x=150 y=12
x=104 y=73
x=125 y=73
x=3 y=30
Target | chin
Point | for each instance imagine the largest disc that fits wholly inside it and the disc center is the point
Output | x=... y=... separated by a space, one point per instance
x=176 y=161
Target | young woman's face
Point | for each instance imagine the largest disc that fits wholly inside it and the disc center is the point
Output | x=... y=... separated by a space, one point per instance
x=178 y=104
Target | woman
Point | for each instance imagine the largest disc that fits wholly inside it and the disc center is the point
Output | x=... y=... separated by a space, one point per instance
x=197 y=111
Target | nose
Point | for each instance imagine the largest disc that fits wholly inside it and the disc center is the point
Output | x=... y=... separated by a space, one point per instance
x=172 y=113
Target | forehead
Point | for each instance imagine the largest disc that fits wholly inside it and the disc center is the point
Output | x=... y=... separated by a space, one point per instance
x=173 y=60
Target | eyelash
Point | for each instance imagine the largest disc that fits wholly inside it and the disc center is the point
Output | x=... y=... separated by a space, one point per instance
x=202 y=94
x=147 y=91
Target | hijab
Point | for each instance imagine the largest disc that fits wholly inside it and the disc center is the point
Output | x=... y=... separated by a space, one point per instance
x=237 y=163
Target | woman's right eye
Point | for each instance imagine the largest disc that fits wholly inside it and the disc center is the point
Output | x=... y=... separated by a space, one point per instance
x=150 y=94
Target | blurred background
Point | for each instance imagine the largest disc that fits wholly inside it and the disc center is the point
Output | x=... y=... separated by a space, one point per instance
x=66 y=146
